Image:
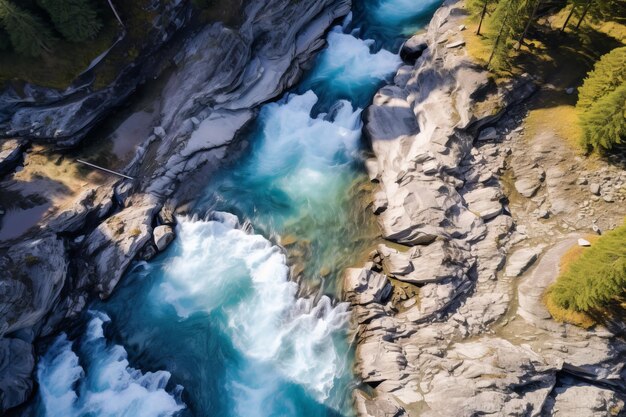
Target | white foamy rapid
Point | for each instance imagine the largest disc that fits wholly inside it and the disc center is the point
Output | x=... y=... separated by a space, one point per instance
x=105 y=385
x=349 y=66
x=299 y=151
x=247 y=278
x=349 y=59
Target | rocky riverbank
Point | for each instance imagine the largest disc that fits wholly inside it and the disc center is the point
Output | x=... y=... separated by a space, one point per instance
x=442 y=326
x=90 y=232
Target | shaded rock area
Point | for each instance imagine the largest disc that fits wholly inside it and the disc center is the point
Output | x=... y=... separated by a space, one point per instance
x=465 y=332
x=65 y=117
x=90 y=227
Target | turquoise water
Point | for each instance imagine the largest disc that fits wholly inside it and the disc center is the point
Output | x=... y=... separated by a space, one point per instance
x=217 y=325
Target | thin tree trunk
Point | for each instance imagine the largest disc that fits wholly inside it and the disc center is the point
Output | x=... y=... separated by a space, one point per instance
x=530 y=20
x=587 y=6
x=116 y=14
x=495 y=45
x=482 y=16
x=571 y=12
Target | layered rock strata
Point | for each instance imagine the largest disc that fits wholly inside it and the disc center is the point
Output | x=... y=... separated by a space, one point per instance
x=448 y=339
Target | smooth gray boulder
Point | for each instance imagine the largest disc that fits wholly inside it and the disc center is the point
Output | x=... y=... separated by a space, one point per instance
x=521 y=260
x=163 y=236
x=488 y=133
x=485 y=202
x=527 y=187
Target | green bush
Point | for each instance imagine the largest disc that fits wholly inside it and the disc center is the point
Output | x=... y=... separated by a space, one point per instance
x=28 y=34
x=596 y=278
x=76 y=20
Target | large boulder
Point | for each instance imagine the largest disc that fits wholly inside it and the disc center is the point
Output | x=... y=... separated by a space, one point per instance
x=520 y=261
x=163 y=236
x=363 y=286
x=426 y=263
x=116 y=242
x=34 y=272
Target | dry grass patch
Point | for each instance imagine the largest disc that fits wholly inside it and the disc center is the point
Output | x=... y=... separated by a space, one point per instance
x=561 y=119
x=574 y=253
x=564 y=315
x=477 y=48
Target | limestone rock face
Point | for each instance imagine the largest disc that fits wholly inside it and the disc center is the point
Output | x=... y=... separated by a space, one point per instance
x=34 y=272
x=485 y=372
x=16 y=367
x=449 y=341
x=33 y=275
x=97 y=201
x=363 y=286
x=424 y=264
x=581 y=399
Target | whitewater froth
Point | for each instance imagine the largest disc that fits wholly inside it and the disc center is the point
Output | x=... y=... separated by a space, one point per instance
x=105 y=385
x=247 y=277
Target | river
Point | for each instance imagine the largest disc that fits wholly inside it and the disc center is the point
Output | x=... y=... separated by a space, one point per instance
x=226 y=322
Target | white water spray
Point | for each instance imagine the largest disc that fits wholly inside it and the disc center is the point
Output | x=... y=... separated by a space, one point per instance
x=106 y=385
x=220 y=266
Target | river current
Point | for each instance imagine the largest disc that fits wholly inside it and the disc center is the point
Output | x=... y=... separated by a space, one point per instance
x=218 y=325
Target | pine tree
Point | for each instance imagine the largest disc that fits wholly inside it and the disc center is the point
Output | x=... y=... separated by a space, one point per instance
x=601 y=102
x=28 y=34
x=604 y=123
x=76 y=20
x=607 y=74
x=597 y=277
x=510 y=19
x=478 y=8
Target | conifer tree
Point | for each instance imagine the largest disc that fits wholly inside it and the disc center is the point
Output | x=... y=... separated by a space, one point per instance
x=479 y=8
x=76 y=20
x=597 y=277
x=604 y=123
x=607 y=74
x=510 y=18
x=28 y=34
